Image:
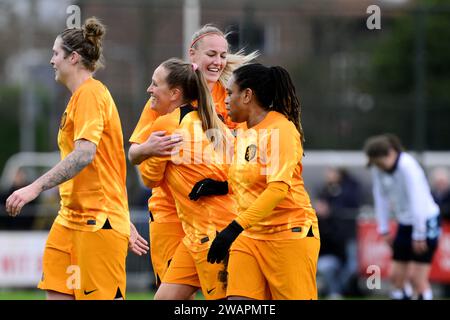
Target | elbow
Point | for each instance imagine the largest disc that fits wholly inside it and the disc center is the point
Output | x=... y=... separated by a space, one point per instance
x=283 y=194
x=284 y=190
x=87 y=158
x=280 y=197
x=133 y=155
x=146 y=181
x=84 y=152
x=90 y=157
x=281 y=191
x=150 y=183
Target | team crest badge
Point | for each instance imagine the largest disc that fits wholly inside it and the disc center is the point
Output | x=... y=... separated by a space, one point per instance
x=63 y=120
x=250 y=153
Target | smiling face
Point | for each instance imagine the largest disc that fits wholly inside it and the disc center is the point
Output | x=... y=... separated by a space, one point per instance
x=60 y=61
x=210 y=56
x=237 y=109
x=161 y=94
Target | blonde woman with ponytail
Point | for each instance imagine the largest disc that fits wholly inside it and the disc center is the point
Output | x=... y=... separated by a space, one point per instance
x=209 y=50
x=175 y=87
x=85 y=253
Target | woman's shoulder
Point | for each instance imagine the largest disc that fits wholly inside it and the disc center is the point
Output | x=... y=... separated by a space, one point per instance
x=280 y=121
x=91 y=87
x=94 y=84
x=406 y=158
x=169 y=118
x=172 y=120
x=408 y=162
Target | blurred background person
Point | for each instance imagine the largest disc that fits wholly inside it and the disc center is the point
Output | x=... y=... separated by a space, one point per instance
x=400 y=186
x=440 y=189
x=20 y=180
x=337 y=207
x=26 y=220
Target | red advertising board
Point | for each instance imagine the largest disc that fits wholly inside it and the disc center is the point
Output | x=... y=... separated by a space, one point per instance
x=373 y=251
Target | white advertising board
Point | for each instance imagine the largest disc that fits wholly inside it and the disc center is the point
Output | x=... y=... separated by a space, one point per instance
x=21 y=257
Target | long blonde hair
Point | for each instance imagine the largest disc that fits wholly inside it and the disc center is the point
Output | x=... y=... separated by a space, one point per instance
x=234 y=60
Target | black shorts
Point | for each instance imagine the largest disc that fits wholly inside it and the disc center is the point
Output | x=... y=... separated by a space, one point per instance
x=402 y=247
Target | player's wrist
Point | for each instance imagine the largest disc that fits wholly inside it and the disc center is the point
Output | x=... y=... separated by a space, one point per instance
x=232 y=231
x=37 y=186
x=220 y=187
x=146 y=150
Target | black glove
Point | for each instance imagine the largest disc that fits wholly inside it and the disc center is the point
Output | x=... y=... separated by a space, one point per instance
x=207 y=187
x=219 y=247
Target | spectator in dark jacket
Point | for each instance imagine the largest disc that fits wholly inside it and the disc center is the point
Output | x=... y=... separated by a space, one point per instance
x=337 y=208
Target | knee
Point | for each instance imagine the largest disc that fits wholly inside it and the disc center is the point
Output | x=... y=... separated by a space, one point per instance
x=174 y=292
x=166 y=295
